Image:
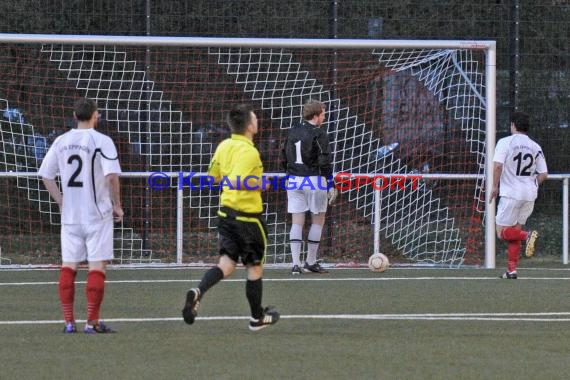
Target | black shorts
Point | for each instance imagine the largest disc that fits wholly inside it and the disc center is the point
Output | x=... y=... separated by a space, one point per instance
x=242 y=237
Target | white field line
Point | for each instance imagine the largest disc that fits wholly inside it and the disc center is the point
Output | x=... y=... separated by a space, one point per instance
x=533 y=317
x=300 y=278
x=503 y=317
x=267 y=267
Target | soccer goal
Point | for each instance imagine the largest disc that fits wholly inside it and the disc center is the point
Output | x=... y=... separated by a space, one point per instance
x=394 y=107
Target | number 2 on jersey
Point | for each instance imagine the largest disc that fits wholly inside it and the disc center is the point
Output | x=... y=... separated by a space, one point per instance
x=72 y=182
x=527 y=160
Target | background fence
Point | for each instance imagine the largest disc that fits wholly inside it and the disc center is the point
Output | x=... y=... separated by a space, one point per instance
x=532 y=60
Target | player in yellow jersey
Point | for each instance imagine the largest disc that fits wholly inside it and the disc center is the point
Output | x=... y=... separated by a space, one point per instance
x=242 y=233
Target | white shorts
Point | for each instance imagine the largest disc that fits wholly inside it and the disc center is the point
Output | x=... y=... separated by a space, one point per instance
x=91 y=242
x=303 y=197
x=511 y=212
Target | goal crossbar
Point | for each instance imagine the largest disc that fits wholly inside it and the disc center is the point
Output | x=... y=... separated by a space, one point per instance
x=306 y=43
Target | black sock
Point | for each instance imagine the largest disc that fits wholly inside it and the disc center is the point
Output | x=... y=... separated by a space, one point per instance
x=211 y=278
x=253 y=292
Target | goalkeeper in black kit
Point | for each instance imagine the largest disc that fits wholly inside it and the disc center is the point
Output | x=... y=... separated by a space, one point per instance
x=308 y=164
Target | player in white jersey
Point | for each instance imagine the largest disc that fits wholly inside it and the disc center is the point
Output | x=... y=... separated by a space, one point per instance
x=519 y=168
x=88 y=166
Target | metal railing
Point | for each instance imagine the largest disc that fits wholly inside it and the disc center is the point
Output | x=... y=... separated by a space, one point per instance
x=490 y=253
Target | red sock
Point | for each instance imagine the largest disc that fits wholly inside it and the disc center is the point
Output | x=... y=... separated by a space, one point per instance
x=67 y=292
x=95 y=290
x=514 y=250
x=513 y=233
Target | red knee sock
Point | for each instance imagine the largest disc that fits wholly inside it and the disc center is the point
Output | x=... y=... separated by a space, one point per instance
x=67 y=292
x=95 y=290
x=513 y=233
x=514 y=250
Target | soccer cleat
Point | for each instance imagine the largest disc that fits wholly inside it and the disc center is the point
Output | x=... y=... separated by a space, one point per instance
x=70 y=328
x=191 y=306
x=510 y=275
x=315 y=268
x=270 y=316
x=296 y=270
x=530 y=241
x=98 y=328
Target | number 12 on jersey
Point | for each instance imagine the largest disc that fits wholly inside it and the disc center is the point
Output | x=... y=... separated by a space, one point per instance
x=527 y=160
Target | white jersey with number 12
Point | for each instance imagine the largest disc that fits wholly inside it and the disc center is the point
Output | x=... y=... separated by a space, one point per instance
x=522 y=160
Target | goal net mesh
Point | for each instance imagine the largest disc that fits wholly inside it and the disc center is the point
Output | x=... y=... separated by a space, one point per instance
x=413 y=111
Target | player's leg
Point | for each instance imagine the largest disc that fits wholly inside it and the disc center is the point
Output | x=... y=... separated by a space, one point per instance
x=513 y=254
x=229 y=254
x=73 y=252
x=225 y=267
x=99 y=244
x=506 y=220
x=514 y=232
x=297 y=206
x=66 y=289
x=511 y=217
x=314 y=238
x=516 y=214
x=525 y=211
x=318 y=202
x=296 y=240
x=253 y=256
x=260 y=317
x=254 y=289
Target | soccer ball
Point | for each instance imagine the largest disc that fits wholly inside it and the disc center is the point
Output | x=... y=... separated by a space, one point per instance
x=378 y=262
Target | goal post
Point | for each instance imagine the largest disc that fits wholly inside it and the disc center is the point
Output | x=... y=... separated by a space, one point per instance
x=394 y=108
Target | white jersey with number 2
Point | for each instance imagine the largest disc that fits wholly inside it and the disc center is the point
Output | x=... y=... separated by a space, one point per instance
x=522 y=160
x=82 y=158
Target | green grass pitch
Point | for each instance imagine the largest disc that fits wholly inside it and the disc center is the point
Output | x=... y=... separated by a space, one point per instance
x=349 y=324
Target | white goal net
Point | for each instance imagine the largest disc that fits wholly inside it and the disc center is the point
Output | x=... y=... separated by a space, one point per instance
x=393 y=111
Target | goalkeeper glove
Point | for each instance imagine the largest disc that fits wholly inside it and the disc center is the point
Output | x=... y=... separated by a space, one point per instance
x=332 y=194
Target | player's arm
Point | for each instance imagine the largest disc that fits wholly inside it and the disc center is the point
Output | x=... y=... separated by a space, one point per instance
x=215 y=175
x=48 y=171
x=214 y=168
x=541 y=177
x=325 y=164
x=53 y=189
x=541 y=168
x=324 y=154
x=497 y=172
x=115 y=186
x=500 y=156
x=111 y=170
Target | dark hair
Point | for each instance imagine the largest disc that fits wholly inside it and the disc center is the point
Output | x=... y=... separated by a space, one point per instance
x=84 y=108
x=239 y=118
x=521 y=121
x=312 y=108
